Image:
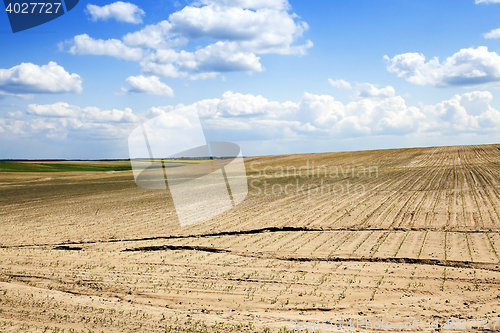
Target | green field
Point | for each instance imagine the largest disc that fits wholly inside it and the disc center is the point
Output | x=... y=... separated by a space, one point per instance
x=75 y=166
x=63 y=166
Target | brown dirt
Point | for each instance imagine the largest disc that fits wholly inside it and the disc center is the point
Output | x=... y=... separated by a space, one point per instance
x=90 y=251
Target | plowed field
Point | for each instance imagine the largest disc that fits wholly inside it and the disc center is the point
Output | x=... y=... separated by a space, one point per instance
x=407 y=235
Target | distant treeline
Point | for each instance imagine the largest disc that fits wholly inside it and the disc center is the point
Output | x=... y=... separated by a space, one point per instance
x=202 y=158
x=61 y=160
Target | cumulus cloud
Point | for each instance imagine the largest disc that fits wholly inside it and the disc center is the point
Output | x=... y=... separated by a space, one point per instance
x=260 y=30
x=382 y=113
x=23 y=96
x=149 y=85
x=235 y=117
x=92 y=114
x=493 y=34
x=321 y=109
x=238 y=116
x=15 y=114
x=250 y=4
x=340 y=84
x=467 y=67
x=28 y=78
x=237 y=104
x=212 y=59
x=120 y=11
x=364 y=90
x=226 y=57
x=487 y=1
x=469 y=112
x=388 y=114
x=397 y=118
x=84 y=44
x=233 y=105
x=62 y=120
x=204 y=76
x=96 y=115
x=154 y=36
x=58 y=109
x=375 y=115
x=232 y=34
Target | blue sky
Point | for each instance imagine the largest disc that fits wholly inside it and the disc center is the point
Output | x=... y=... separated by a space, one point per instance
x=276 y=77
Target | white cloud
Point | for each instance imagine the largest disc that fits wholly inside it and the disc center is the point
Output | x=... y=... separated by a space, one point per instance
x=83 y=44
x=232 y=105
x=364 y=90
x=225 y=57
x=249 y=116
x=380 y=114
x=204 y=76
x=213 y=59
x=340 y=84
x=58 y=109
x=14 y=127
x=487 y=1
x=23 y=96
x=28 y=78
x=493 y=34
x=368 y=90
x=96 y=115
x=149 y=85
x=321 y=109
x=154 y=36
x=15 y=114
x=62 y=120
x=261 y=30
x=246 y=117
x=237 y=116
x=397 y=118
x=467 y=67
x=236 y=104
x=152 y=67
x=469 y=112
x=88 y=114
x=250 y=4
x=120 y=11
x=156 y=111
x=230 y=36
